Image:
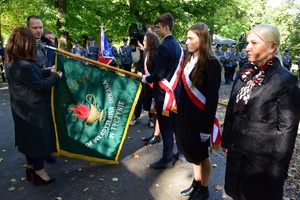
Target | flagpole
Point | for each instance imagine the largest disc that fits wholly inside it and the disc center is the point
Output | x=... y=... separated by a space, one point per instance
x=103 y=65
x=94 y=62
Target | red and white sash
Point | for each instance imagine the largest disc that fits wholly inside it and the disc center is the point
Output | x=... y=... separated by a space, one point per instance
x=199 y=100
x=169 y=87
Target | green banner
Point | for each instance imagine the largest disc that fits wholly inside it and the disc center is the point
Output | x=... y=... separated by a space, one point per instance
x=92 y=108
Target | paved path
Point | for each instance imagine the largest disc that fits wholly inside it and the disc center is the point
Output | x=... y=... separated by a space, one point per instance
x=135 y=180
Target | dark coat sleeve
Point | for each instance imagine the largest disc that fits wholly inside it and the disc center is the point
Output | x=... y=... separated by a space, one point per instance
x=33 y=77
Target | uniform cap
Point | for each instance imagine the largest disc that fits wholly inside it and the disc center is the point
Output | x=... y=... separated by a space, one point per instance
x=109 y=40
x=76 y=41
x=125 y=39
x=213 y=43
x=91 y=38
x=287 y=51
x=229 y=45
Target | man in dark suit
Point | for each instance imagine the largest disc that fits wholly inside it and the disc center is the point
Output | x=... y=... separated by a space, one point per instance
x=170 y=58
x=35 y=25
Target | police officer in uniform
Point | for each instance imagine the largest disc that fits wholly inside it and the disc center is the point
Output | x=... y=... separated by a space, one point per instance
x=113 y=49
x=242 y=57
x=298 y=67
x=287 y=59
x=114 y=52
x=217 y=51
x=125 y=55
x=77 y=49
x=227 y=63
x=92 y=50
x=184 y=47
x=234 y=55
x=2 y=57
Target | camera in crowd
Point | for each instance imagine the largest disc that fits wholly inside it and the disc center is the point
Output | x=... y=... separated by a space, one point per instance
x=136 y=33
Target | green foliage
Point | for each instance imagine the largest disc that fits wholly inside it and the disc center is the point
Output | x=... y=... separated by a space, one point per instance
x=73 y=19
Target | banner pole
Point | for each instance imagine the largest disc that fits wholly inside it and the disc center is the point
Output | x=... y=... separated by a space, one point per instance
x=102 y=65
x=94 y=62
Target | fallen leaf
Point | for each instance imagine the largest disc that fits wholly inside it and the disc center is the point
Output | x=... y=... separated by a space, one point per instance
x=136 y=156
x=13 y=180
x=138 y=131
x=101 y=179
x=214 y=165
x=129 y=137
x=22 y=179
x=1 y=159
x=218 y=187
x=115 y=179
x=11 y=189
x=21 y=188
x=66 y=161
x=112 y=191
x=79 y=169
x=57 y=198
x=157 y=185
x=3 y=150
x=85 y=190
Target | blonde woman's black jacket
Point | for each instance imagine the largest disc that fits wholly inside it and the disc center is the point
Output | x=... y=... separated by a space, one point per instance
x=270 y=123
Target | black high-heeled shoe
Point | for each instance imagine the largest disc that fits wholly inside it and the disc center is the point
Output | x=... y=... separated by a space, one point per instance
x=29 y=172
x=37 y=180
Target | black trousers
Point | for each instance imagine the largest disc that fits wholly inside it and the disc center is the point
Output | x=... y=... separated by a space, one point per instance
x=232 y=71
x=127 y=67
x=139 y=104
x=227 y=71
x=167 y=126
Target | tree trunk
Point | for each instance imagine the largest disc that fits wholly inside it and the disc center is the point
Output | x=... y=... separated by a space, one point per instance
x=63 y=36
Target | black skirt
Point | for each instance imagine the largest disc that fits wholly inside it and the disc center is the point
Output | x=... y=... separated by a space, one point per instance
x=194 y=155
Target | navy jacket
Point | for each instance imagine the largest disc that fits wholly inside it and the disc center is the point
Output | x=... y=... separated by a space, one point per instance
x=168 y=57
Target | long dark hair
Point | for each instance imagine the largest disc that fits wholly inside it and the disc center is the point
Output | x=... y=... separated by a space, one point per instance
x=152 y=44
x=21 y=45
x=205 y=52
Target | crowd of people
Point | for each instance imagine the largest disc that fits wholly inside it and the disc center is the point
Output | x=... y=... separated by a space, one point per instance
x=181 y=82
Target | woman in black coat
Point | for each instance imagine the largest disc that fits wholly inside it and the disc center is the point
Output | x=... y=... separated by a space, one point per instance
x=198 y=101
x=261 y=121
x=30 y=103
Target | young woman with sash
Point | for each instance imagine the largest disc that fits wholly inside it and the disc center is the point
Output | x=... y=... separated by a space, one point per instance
x=198 y=101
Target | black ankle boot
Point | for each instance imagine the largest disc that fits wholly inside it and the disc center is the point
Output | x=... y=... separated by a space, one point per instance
x=192 y=189
x=201 y=194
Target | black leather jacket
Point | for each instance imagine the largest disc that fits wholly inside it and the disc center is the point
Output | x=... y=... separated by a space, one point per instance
x=269 y=124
